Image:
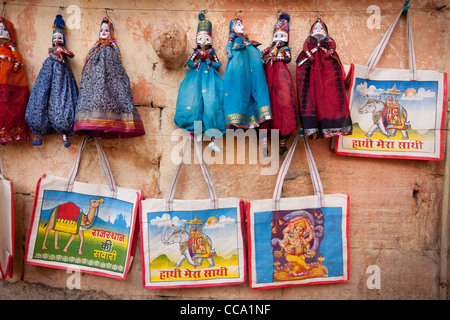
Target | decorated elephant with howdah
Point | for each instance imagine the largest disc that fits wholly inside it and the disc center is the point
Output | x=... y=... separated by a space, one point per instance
x=388 y=116
x=194 y=246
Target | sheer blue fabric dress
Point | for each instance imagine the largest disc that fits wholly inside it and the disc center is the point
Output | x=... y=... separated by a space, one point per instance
x=246 y=100
x=199 y=106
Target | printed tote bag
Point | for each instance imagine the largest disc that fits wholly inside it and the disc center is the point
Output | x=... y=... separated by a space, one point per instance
x=192 y=243
x=81 y=226
x=396 y=113
x=6 y=227
x=298 y=241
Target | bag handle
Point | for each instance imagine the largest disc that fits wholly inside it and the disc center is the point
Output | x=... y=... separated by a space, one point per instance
x=379 y=49
x=103 y=164
x=1 y=171
x=209 y=184
x=315 y=178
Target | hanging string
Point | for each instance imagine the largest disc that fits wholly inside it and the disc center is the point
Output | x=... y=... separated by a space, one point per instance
x=51 y=156
x=4 y=9
x=443 y=7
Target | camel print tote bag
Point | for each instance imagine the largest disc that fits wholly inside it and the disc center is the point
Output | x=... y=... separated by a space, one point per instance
x=396 y=113
x=6 y=227
x=298 y=241
x=192 y=243
x=84 y=227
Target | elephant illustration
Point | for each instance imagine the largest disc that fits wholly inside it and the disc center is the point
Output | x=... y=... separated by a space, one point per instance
x=384 y=114
x=69 y=218
x=194 y=247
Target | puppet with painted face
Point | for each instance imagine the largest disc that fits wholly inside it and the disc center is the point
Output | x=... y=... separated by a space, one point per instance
x=279 y=81
x=13 y=86
x=322 y=100
x=105 y=107
x=247 y=100
x=51 y=107
x=200 y=97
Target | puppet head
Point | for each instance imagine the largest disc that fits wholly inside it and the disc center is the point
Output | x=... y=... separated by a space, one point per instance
x=106 y=29
x=7 y=30
x=319 y=29
x=236 y=26
x=204 y=31
x=281 y=29
x=59 y=31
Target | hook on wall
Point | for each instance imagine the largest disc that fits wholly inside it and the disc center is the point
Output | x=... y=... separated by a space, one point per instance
x=318 y=15
x=106 y=12
x=3 y=9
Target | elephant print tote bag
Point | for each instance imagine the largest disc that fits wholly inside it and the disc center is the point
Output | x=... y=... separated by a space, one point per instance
x=298 y=241
x=192 y=243
x=6 y=227
x=395 y=113
x=81 y=226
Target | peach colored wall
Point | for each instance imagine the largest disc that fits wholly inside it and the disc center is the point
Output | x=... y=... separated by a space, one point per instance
x=395 y=204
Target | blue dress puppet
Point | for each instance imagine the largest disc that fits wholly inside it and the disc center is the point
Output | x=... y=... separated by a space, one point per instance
x=199 y=106
x=247 y=100
x=51 y=107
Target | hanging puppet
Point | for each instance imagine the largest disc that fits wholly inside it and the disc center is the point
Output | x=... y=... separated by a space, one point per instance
x=51 y=107
x=322 y=100
x=200 y=97
x=105 y=107
x=279 y=81
x=13 y=87
x=246 y=101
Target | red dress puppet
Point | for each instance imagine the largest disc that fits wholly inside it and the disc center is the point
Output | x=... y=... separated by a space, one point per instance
x=279 y=81
x=321 y=94
x=13 y=87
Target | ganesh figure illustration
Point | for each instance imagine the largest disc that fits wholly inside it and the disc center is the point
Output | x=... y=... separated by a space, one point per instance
x=195 y=246
x=296 y=239
x=69 y=218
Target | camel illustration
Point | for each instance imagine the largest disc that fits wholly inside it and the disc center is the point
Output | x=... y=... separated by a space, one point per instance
x=69 y=218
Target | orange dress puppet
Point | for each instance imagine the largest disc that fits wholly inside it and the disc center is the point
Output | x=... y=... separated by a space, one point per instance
x=13 y=87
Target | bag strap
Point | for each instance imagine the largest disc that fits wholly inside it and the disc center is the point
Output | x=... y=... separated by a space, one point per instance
x=1 y=171
x=103 y=164
x=315 y=178
x=379 y=49
x=209 y=184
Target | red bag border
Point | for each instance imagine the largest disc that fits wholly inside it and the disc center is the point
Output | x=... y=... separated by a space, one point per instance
x=442 y=139
x=132 y=240
x=9 y=269
x=242 y=216
x=249 y=252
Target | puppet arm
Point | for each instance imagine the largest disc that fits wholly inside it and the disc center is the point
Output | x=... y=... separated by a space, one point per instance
x=18 y=59
x=191 y=63
x=331 y=50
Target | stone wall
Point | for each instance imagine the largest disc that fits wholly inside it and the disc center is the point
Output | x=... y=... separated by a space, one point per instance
x=395 y=204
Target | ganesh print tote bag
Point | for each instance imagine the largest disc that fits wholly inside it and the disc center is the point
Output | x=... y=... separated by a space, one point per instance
x=396 y=113
x=192 y=243
x=298 y=241
x=81 y=226
x=6 y=227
